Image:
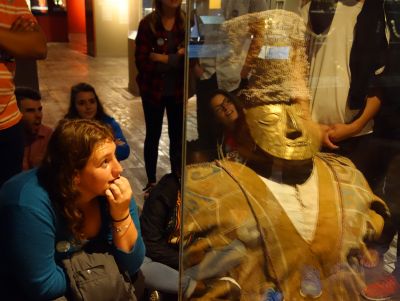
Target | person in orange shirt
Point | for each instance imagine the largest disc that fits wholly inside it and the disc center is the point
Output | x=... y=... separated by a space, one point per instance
x=20 y=37
x=36 y=135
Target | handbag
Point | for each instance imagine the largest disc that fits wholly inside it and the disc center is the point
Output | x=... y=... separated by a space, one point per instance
x=95 y=276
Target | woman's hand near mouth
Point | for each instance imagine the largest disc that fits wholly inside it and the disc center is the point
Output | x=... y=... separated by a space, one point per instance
x=124 y=230
x=119 y=196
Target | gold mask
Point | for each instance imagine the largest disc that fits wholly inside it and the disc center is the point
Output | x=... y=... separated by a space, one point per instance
x=283 y=130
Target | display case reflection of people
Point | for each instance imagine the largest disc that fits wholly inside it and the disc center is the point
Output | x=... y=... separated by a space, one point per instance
x=213 y=70
x=228 y=115
x=291 y=222
x=387 y=159
x=343 y=53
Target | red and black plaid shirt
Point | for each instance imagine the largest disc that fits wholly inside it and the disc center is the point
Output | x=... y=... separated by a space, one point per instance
x=151 y=81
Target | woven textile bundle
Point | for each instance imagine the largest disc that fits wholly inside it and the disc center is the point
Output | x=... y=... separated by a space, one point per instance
x=276 y=57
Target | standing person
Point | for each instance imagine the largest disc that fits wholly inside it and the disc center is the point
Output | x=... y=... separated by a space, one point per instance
x=343 y=58
x=290 y=223
x=84 y=103
x=37 y=135
x=387 y=137
x=77 y=197
x=227 y=113
x=20 y=37
x=160 y=60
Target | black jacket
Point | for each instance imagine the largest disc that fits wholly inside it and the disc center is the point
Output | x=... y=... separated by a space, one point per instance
x=159 y=213
x=368 y=51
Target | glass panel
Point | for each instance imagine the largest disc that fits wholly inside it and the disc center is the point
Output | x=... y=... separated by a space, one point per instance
x=60 y=5
x=288 y=181
x=39 y=6
x=147 y=7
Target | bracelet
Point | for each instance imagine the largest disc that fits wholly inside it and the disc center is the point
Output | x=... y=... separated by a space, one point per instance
x=122 y=228
x=122 y=219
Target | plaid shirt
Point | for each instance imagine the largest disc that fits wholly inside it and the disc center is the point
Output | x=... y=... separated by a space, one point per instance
x=150 y=79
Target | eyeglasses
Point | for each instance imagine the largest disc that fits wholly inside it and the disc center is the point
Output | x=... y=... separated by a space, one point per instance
x=222 y=106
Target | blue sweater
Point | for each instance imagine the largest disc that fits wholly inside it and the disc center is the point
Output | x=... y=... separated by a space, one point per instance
x=123 y=150
x=30 y=230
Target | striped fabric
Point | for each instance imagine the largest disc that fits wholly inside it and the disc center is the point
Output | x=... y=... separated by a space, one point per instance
x=10 y=10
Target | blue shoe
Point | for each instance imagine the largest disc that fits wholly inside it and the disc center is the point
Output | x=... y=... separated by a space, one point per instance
x=272 y=295
x=310 y=285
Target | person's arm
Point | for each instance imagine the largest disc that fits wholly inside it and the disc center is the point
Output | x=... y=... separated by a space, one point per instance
x=254 y=50
x=325 y=140
x=123 y=149
x=172 y=60
x=126 y=235
x=132 y=260
x=147 y=60
x=340 y=131
x=25 y=42
x=169 y=61
x=28 y=251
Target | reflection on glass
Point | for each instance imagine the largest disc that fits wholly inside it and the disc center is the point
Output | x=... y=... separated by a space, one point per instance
x=60 y=5
x=44 y=6
x=39 y=6
x=274 y=217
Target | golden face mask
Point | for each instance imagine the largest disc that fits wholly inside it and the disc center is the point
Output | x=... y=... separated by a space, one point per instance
x=283 y=130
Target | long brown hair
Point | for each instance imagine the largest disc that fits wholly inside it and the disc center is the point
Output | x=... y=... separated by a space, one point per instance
x=68 y=151
x=73 y=112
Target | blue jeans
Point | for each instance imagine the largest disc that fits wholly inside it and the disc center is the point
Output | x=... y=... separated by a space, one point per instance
x=161 y=277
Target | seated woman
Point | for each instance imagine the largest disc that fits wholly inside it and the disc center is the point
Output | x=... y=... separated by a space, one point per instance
x=160 y=223
x=227 y=113
x=84 y=103
x=75 y=198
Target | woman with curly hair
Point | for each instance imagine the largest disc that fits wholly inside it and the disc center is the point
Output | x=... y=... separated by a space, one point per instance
x=84 y=103
x=160 y=59
x=75 y=197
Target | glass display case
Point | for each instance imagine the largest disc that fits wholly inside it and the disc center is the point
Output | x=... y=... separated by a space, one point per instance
x=40 y=7
x=291 y=154
x=52 y=18
x=147 y=6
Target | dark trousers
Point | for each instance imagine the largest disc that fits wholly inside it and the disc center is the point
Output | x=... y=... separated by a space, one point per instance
x=386 y=156
x=153 y=115
x=206 y=124
x=11 y=151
